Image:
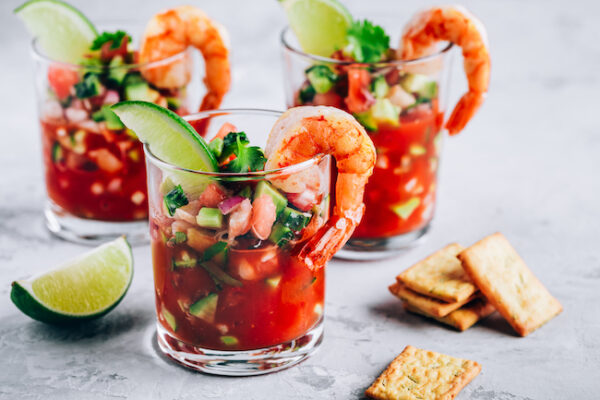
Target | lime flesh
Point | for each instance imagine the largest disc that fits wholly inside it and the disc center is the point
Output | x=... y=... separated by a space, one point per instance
x=320 y=25
x=84 y=288
x=63 y=32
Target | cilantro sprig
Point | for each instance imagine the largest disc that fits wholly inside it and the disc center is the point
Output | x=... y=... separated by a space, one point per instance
x=174 y=199
x=247 y=158
x=367 y=42
x=114 y=38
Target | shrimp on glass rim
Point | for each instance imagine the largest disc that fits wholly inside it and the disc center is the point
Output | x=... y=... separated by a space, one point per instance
x=172 y=32
x=454 y=24
x=302 y=133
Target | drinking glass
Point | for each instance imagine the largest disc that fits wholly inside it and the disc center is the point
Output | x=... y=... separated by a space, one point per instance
x=405 y=124
x=235 y=305
x=94 y=168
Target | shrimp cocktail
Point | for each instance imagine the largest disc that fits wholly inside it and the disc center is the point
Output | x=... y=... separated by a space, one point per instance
x=397 y=94
x=243 y=219
x=94 y=166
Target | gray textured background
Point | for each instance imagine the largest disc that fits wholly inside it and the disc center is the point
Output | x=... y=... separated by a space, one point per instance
x=527 y=166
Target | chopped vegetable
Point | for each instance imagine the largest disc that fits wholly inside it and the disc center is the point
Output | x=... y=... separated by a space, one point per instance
x=294 y=220
x=205 y=308
x=174 y=199
x=114 y=38
x=90 y=86
x=281 y=235
x=306 y=94
x=219 y=276
x=185 y=260
x=57 y=152
x=379 y=87
x=178 y=238
x=213 y=250
x=216 y=146
x=248 y=158
x=367 y=42
x=405 y=210
x=229 y=340
x=210 y=218
x=321 y=78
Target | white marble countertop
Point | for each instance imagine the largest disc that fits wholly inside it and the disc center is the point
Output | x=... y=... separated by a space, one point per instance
x=527 y=166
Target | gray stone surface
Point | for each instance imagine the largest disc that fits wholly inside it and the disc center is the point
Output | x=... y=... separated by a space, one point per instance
x=527 y=166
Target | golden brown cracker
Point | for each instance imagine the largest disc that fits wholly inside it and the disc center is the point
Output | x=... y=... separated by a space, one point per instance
x=440 y=275
x=463 y=318
x=430 y=305
x=424 y=375
x=507 y=282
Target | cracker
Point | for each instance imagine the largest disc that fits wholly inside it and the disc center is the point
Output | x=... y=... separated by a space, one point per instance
x=429 y=305
x=463 y=318
x=508 y=284
x=440 y=275
x=425 y=375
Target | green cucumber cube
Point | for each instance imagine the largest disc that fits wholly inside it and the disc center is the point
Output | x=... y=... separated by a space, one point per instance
x=210 y=218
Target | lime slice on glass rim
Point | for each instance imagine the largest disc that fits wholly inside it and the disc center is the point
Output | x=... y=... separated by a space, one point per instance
x=320 y=25
x=171 y=139
x=84 y=288
x=63 y=32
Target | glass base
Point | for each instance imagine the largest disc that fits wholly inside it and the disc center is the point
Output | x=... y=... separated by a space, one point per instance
x=242 y=362
x=379 y=248
x=92 y=232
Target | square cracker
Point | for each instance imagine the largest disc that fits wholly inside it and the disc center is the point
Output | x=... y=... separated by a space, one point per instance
x=425 y=375
x=508 y=284
x=440 y=275
x=434 y=307
x=463 y=318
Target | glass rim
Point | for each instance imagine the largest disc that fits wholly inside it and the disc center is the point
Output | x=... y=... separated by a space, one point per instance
x=38 y=54
x=293 y=49
x=233 y=175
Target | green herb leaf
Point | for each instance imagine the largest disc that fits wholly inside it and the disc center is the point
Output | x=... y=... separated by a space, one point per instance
x=174 y=199
x=214 y=250
x=367 y=42
x=114 y=38
x=179 y=238
x=248 y=158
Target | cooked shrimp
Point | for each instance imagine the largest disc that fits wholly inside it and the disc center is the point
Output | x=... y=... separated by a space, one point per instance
x=302 y=133
x=454 y=24
x=171 y=32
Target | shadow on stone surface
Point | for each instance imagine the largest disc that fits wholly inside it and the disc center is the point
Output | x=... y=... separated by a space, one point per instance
x=497 y=323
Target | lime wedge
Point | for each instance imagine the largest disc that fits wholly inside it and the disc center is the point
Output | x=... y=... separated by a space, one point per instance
x=171 y=139
x=319 y=25
x=63 y=32
x=84 y=288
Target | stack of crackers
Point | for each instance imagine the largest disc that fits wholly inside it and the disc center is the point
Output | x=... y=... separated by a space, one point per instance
x=459 y=286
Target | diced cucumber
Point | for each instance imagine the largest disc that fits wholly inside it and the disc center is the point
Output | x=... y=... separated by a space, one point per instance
x=281 y=234
x=173 y=103
x=170 y=319
x=98 y=115
x=422 y=85
x=229 y=340
x=306 y=94
x=279 y=200
x=246 y=192
x=214 y=250
x=90 y=86
x=174 y=199
x=273 y=281
x=112 y=120
x=205 y=308
x=57 y=152
x=116 y=72
x=405 y=210
x=216 y=146
x=178 y=238
x=321 y=78
x=219 y=276
x=384 y=112
x=379 y=87
x=295 y=220
x=138 y=89
x=184 y=260
x=366 y=120
x=209 y=218
x=417 y=150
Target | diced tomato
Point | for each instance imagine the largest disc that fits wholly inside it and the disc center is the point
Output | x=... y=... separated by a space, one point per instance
x=212 y=196
x=224 y=130
x=359 y=97
x=107 y=54
x=61 y=80
x=328 y=99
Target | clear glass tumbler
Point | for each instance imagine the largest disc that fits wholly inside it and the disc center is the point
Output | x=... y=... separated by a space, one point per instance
x=94 y=168
x=232 y=304
x=401 y=104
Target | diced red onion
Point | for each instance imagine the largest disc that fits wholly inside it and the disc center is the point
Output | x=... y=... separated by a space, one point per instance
x=230 y=204
x=303 y=201
x=76 y=115
x=111 y=97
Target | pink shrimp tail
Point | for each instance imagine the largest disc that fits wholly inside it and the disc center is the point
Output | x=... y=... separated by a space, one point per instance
x=330 y=238
x=464 y=111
